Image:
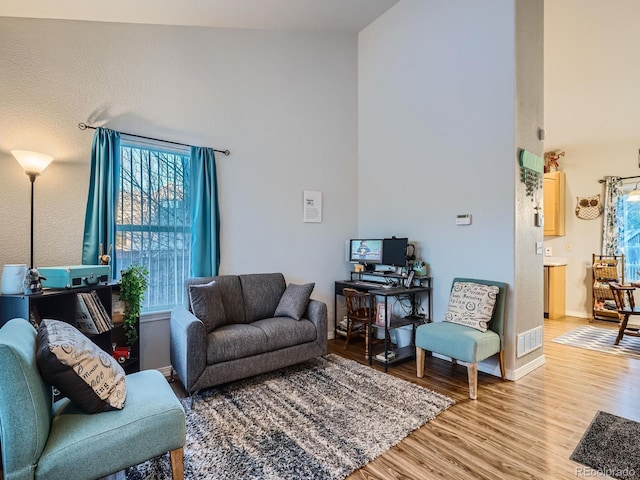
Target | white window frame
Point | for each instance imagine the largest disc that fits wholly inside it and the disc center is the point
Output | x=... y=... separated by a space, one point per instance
x=161 y=244
x=627 y=243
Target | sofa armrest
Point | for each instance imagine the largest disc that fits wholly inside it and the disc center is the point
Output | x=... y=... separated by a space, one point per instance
x=188 y=346
x=317 y=313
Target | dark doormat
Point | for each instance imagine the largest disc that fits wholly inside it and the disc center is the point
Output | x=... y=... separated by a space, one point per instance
x=611 y=446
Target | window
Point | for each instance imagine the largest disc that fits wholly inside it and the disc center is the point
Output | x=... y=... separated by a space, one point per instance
x=629 y=234
x=152 y=220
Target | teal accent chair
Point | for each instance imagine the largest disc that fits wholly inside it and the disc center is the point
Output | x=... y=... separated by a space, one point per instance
x=58 y=441
x=464 y=343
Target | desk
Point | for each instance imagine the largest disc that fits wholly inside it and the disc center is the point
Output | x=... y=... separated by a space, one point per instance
x=421 y=285
x=413 y=319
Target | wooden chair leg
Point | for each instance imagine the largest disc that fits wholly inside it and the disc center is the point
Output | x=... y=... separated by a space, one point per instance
x=419 y=362
x=472 y=373
x=502 y=368
x=366 y=340
x=623 y=326
x=177 y=464
x=349 y=332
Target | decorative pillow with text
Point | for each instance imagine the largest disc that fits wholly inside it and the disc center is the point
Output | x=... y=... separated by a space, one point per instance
x=82 y=371
x=471 y=305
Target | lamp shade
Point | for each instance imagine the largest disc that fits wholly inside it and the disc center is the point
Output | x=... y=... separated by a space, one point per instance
x=33 y=163
x=634 y=195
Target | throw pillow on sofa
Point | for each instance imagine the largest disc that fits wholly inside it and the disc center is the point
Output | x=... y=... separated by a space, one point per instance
x=206 y=305
x=294 y=301
x=81 y=370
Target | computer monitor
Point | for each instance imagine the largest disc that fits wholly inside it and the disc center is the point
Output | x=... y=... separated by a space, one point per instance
x=365 y=250
x=394 y=251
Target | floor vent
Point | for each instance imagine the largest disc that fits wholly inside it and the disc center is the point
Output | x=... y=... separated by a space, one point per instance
x=528 y=341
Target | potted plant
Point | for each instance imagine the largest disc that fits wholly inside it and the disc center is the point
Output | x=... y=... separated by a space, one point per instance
x=133 y=284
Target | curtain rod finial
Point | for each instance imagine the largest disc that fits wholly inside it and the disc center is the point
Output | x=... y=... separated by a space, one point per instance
x=82 y=126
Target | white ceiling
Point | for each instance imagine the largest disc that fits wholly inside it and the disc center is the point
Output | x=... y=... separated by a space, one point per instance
x=342 y=15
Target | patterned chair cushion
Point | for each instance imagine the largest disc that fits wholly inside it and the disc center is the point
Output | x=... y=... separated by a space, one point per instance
x=82 y=371
x=471 y=304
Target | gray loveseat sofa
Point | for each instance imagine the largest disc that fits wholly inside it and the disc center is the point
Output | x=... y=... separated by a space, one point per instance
x=237 y=326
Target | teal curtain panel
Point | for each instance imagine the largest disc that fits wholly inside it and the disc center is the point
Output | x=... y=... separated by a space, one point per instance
x=205 y=213
x=100 y=219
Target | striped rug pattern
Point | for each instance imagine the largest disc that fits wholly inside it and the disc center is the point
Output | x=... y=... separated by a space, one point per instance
x=601 y=340
x=322 y=419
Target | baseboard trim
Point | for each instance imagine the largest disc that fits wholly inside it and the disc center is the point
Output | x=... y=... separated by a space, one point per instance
x=492 y=367
x=528 y=368
x=577 y=313
x=166 y=371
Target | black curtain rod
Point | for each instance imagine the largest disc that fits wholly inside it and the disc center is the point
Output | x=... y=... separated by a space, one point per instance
x=84 y=126
x=602 y=180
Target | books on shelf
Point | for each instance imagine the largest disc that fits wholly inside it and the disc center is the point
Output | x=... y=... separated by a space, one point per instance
x=91 y=316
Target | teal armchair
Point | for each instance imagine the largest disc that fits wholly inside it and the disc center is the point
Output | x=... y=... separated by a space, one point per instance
x=58 y=441
x=463 y=343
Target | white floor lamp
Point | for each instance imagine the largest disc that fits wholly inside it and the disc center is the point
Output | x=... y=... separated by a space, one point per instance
x=33 y=163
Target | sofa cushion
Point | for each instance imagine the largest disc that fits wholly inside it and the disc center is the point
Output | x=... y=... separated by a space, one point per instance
x=230 y=342
x=152 y=424
x=261 y=293
x=294 y=301
x=230 y=292
x=457 y=341
x=206 y=304
x=81 y=370
x=283 y=332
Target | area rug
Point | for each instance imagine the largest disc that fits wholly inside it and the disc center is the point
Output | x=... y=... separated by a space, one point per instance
x=322 y=419
x=601 y=340
x=610 y=446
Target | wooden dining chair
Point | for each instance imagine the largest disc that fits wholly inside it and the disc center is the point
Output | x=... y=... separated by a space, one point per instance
x=626 y=306
x=359 y=311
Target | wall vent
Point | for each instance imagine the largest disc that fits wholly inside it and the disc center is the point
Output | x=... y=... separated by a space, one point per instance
x=529 y=341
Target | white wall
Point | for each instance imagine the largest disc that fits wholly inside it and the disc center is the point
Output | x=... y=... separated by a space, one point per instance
x=592 y=112
x=436 y=88
x=283 y=103
x=529 y=119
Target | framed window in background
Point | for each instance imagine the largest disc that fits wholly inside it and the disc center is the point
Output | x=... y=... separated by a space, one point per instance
x=629 y=233
x=153 y=219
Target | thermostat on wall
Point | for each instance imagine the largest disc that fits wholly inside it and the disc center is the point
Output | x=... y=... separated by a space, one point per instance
x=463 y=219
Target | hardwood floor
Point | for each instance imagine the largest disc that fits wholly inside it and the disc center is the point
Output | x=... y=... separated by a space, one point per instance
x=515 y=430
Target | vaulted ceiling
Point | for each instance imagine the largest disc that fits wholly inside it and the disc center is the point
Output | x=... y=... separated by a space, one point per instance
x=339 y=15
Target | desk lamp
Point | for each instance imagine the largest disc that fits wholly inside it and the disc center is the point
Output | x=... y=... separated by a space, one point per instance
x=33 y=163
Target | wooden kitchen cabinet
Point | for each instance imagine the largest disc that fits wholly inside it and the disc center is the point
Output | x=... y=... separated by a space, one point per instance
x=554 y=203
x=555 y=286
